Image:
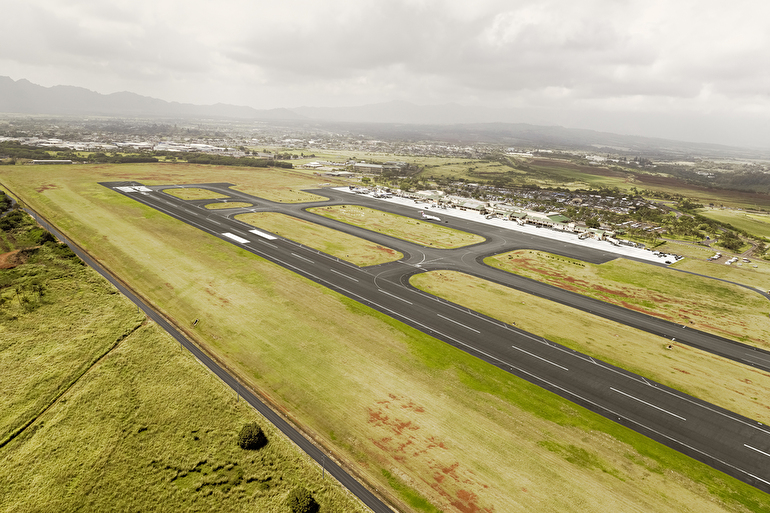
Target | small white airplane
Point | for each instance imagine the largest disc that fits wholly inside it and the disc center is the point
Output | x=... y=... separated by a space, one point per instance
x=432 y=218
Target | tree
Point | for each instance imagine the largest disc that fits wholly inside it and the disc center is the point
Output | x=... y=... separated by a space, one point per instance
x=300 y=501
x=251 y=437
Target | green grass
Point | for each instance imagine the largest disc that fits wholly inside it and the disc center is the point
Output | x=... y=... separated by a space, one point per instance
x=754 y=223
x=51 y=335
x=417 y=231
x=231 y=204
x=709 y=305
x=720 y=381
x=456 y=431
x=192 y=193
x=346 y=247
x=145 y=427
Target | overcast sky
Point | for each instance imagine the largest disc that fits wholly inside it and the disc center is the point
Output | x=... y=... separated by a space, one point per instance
x=694 y=70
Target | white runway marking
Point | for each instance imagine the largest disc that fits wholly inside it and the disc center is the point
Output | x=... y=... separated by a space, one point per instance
x=395 y=296
x=540 y=358
x=755 y=449
x=458 y=323
x=263 y=235
x=343 y=275
x=236 y=238
x=303 y=258
x=648 y=404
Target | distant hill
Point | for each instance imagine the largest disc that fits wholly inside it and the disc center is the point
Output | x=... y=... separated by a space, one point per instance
x=24 y=97
x=395 y=120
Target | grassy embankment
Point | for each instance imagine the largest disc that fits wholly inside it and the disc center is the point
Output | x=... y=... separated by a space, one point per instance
x=417 y=417
x=117 y=416
x=717 y=380
x=346 y=247
x=425 y=233
x=752 y=222
x=702 y=303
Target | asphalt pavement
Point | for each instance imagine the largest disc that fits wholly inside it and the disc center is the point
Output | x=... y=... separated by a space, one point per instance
x=734 y=444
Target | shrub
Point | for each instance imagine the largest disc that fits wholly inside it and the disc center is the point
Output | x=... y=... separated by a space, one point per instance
x=251 y=437
x=300 y=501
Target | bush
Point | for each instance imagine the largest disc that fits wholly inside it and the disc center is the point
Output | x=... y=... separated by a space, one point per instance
x=300 y=501
x=251 y=437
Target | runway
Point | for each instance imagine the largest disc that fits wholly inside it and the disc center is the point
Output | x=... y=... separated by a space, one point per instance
x=722 y=439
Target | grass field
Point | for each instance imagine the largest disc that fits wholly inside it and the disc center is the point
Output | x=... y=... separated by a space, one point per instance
x=72 y=306
x=702 y=303
x=332 y=242
x=231 y=204
x=118 y=416
x=192 y=193
x=719 y=381
x=419 y=419
x=754 y=223
x=412 y=230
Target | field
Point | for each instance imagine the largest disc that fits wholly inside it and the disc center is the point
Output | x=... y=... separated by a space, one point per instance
x=231 y=204
x=717 y=380
x=424 y=423
x=754 y=223
x=417 y=231
x=192 y=193
x=341 y=245
x=118 y=417
x=702 y=303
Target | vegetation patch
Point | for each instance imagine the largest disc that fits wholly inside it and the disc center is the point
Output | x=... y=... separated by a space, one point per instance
x=193 y=193
x=695 y=301
x=417 y=231
x=714 y=379
x=346 y=247
x=144 y=428
x=225 y=205
x=460 y=432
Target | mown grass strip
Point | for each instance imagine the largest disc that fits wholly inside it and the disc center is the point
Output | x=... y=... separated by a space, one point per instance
x=420 y=232
x=346 y=247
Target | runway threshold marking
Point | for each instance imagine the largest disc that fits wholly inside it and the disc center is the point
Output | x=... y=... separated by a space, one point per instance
x=395 y=296
x=755 y=449
x=540 y=358
x=648 y=404
x=236 y=238
x=303 y=258
x=263 y=234
x=458 y=323
x=343 y=275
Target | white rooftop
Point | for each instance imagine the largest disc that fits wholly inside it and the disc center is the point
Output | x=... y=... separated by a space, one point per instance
x=568 y=237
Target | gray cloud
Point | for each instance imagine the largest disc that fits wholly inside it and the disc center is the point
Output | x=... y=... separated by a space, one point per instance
x=568 y=59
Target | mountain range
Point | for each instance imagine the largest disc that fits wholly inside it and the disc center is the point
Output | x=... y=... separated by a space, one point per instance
x=391 y=120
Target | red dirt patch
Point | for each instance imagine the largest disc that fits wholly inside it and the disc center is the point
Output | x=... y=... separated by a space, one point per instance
x=44 y=188
x=12 y=259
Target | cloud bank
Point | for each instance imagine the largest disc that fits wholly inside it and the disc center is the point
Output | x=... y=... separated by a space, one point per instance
x=694 y=70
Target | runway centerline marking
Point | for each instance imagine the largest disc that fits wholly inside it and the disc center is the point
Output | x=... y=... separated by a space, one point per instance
x=303 y=258
x=540 y=358
x=343 y=275
x=458 y=323
x=395 y=296
x=648 y=404
x=755 y=449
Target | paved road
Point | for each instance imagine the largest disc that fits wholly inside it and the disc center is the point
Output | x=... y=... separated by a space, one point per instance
x=729 y=442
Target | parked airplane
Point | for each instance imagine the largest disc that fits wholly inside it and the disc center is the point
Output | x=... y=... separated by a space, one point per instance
x=432 y=218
